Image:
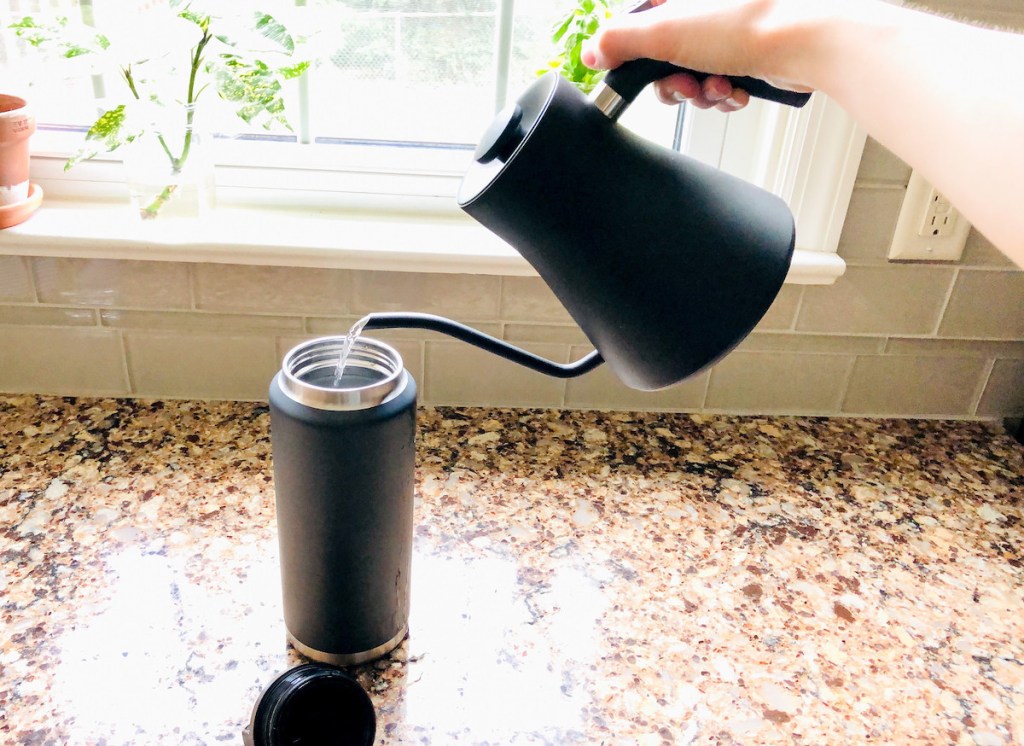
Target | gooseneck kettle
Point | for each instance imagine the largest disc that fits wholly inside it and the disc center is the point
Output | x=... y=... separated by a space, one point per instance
x=664 y=262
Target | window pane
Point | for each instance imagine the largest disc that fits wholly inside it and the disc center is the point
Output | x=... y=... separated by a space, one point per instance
x=532 y=47
x=61 y=91
x=419 y=70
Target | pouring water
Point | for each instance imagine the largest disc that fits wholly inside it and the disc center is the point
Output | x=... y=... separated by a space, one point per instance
x=346 y=348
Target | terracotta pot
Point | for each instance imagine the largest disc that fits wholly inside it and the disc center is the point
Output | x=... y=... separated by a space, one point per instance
x=16 y=126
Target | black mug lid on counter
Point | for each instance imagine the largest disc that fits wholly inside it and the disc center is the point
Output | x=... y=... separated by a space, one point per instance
x=313 y=705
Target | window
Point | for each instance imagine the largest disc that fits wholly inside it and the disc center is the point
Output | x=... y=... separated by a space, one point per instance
x=397 y=94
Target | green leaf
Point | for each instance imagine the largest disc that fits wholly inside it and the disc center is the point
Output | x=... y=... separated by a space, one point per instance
x=108 y=132
x=198 y=19
x=73 y=50
x=274 y=31
x=73 y=40
x=254 y=87
x=561 y=28
x=107 y=129
x=31 y=31
x=293 y=71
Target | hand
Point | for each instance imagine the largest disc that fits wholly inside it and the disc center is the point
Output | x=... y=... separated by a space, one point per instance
x=715 y=92
x=691 y=34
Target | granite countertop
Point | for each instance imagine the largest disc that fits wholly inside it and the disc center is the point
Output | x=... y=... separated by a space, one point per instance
x=577 y=578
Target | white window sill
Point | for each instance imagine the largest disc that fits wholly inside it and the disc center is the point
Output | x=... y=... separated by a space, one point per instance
x=394 y=241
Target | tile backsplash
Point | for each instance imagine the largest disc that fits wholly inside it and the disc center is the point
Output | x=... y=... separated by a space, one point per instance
x=907 y=340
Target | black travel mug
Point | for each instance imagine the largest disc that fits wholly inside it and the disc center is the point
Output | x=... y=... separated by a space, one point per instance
x=344 y=469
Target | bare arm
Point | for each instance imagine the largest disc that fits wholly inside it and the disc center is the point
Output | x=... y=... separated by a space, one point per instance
x=946 y=97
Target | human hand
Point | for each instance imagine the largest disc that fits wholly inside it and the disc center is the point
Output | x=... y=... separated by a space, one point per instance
x=690 y=34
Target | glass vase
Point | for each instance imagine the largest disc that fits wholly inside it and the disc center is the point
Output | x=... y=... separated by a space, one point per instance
x=168 y=167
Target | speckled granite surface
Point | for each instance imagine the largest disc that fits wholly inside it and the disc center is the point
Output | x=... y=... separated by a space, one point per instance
x=578 y=578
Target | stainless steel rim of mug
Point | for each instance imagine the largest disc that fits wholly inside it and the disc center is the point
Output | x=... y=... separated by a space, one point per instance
x=317 y=356
x=349 y=659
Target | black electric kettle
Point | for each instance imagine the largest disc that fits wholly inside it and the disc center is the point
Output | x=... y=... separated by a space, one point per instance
x=665 y=263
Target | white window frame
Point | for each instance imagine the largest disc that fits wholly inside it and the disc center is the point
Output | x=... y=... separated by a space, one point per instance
x=381 y=206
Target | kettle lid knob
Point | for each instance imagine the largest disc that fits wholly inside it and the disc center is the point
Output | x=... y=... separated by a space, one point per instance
x=502 y=136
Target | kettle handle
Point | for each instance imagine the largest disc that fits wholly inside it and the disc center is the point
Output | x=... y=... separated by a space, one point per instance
x=629 y=78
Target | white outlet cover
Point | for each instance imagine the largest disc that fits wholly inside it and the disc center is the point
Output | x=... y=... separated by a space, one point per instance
x=908 y=245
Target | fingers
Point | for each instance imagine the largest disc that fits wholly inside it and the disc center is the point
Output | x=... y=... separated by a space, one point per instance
x=715 y=92
x=627 y=37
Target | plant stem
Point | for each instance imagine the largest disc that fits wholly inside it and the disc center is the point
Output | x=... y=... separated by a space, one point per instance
x=126 y=72
x=151 y=210
x=190 y=101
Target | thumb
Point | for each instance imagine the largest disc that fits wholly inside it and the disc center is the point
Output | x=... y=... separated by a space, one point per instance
x=628 y=37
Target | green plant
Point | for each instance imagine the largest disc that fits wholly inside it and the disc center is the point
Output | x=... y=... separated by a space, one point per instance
x=173 y=59
x=569 y=33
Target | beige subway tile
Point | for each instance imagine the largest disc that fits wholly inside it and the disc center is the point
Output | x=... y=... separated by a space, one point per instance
x=67 y=361
x=782 y=312
x=879 y=164
x=108 y=282
x=825 y=343
x=906 y=386
x=870 y=222
x=530 y=299
x=602 y=389
x=1004 y=13
x=458 y=374
x=326 y=327
x=15 y=280
x=985 y=303
x=274 y=290
x=895 y=299
x=454 y=295
x=562 y=334
x=200 y=366
x=411 y=351
x=36 y=315
x=952 y=347
x=1004 y=392
x=284 y=345
x=979 y=252
x=198 y=321
x=329 y=326
x=786 y=383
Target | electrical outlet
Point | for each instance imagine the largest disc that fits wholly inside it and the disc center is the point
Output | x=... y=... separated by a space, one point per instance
x=939 y=218
x=929 y=228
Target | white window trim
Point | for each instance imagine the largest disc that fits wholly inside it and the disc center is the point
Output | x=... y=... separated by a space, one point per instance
x=367 y=211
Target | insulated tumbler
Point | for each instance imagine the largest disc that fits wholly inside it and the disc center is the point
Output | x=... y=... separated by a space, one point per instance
x=344 y=468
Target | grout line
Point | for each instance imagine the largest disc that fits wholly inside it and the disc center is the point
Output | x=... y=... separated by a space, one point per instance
x=985 y=379
x=945 y=303
x=29 y=266
x=844 y=390
x=704 y=394
x=799 y=308
x=501 y=299
x=880 y=185
x=125 y=367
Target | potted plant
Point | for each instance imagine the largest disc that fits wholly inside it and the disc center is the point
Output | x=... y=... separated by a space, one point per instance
x=18 y=199
x=571 y=30
x=167 y=57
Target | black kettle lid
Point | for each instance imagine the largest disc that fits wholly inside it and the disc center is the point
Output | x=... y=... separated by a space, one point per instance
x=314 y=705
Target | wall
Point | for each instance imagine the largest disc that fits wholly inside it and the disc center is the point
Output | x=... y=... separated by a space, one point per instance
x=886 y=339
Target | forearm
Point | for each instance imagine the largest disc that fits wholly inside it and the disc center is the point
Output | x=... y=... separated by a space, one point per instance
x=946 y=97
